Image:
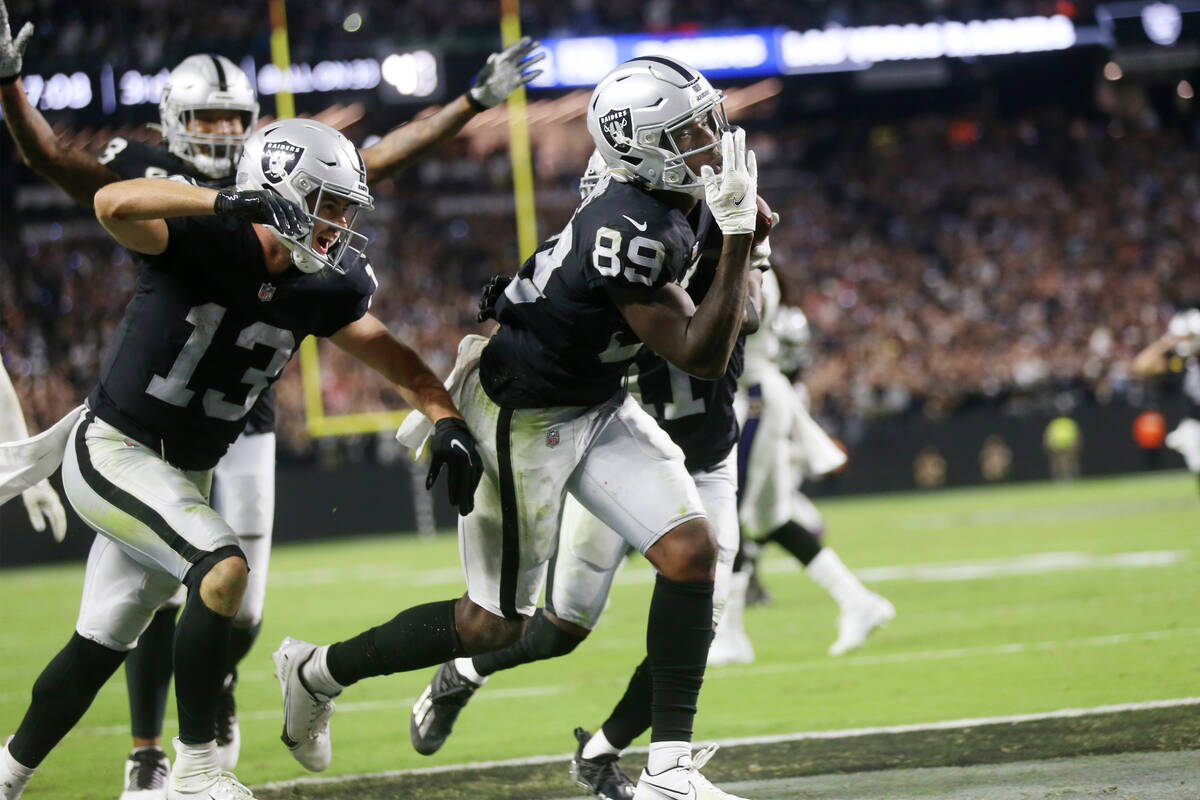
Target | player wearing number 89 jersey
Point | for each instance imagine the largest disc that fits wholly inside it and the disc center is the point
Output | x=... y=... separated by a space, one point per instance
x=561 y=340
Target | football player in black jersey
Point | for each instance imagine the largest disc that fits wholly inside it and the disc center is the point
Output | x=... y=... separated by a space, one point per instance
x=230 y=283
x=699 y=416
x=208 y=107
x=546 y=397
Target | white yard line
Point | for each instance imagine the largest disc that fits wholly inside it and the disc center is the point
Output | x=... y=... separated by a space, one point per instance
x=954 y=724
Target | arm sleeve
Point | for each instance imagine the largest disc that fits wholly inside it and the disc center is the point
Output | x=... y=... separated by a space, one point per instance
x=12 y=421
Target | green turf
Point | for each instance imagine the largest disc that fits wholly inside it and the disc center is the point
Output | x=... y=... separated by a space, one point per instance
x=985 y=646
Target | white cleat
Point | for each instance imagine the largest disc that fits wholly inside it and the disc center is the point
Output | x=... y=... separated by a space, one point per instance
x=857 y=621
x=13 y=776
x=147 y=771
x=305 y=715
x=197 y=775
x=683 y=782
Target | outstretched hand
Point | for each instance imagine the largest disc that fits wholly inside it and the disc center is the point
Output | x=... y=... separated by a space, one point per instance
x=504 y=72
x=12 y=51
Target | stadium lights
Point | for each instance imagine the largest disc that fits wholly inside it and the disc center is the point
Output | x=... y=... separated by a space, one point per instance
x=1185 y=90
x=352 y=23
x=752 y=52
x=1113 y=72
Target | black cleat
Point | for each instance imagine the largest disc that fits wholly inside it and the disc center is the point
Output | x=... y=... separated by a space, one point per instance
x=600 y=775
x=437 y=708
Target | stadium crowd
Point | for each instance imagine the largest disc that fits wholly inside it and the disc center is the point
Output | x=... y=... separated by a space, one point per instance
x=72 y=33
x=940 y=260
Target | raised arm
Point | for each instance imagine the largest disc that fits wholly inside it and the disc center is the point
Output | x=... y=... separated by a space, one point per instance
x=407 y=144
x=74 y=171
x=135 y=212
x=699 y=340
x=1152 y=360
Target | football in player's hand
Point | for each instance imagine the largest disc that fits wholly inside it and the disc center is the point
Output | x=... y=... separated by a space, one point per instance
x=764 y=220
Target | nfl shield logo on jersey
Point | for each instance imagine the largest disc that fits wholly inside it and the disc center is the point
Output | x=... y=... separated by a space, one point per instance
x=552 y=437
x=279 y=159
x=266 y=292
x=618 y=129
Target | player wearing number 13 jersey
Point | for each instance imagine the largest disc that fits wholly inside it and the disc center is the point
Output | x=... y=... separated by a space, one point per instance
x=230 y=283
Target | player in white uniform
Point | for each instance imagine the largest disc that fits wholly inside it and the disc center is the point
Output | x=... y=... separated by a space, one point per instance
x=545 y=398
x=781 y=445
x=207 y=109
x=41 y=501
x=1183 y=340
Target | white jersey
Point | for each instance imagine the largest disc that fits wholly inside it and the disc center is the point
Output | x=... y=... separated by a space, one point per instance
x=781 y=444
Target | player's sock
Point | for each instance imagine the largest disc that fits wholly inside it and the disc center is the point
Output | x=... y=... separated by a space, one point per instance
x=201 y=653
x=148 y=675
x=631 y=716
x=542 y=639
x=61 y=695
x=678 y=634
x=797 y=540
x=315 y=675
x=466 y=668
x=241 y=640
x=599 y=745
x=833 y=576
x=667 y=755
x=421 y=636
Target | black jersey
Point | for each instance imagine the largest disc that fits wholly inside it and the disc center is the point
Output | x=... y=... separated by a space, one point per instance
x=562 y=341
x=139 y=160
x=207 y=331
x=697 y=413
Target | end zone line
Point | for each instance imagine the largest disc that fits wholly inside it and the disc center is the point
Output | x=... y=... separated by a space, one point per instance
x=1064 y=713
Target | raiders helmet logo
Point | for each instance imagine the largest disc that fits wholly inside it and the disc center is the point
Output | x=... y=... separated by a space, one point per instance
x=279 y=159
x=617 y=127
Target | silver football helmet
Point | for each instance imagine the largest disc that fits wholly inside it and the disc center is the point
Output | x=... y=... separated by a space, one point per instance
x=206 y=83
x=595 y=171
x=636 y=108
x=1186 y=325
x=310 y=163
x=790 y=327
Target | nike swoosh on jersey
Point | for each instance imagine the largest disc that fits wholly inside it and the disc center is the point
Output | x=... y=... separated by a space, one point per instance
x=640 y=226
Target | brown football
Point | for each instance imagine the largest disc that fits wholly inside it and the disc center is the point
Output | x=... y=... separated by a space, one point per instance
x=762 y=222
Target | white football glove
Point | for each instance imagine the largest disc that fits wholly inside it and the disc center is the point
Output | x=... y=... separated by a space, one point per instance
x=42 y=505
x=732 y=196
x=12 y=50
x=504 y=72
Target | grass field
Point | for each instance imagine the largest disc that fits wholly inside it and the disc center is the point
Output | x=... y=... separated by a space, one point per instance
x=1011 y=600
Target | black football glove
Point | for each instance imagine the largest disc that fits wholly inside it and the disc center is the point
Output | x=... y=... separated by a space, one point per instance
x=264 y=207
x=491 y=293
x=453 y=445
